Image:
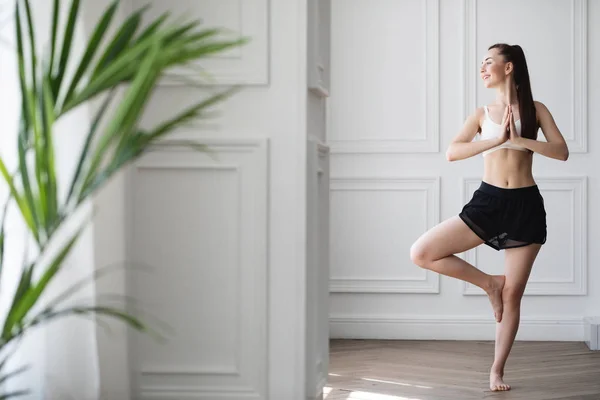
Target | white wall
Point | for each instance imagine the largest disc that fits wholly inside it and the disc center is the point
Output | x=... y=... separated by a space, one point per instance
x=390 y=125
x=228 y=256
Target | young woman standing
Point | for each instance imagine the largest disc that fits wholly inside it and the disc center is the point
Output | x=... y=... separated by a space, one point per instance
x=507 y=211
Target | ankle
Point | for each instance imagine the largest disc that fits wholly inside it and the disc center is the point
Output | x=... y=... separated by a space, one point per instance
x=497 y=370
x=490 y=284
x=494 y=283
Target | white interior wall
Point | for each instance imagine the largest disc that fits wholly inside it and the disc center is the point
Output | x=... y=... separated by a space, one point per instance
x=229 y=257
x=390 y=126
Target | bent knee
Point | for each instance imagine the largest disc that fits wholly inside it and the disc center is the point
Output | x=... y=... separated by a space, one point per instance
x=420 y=254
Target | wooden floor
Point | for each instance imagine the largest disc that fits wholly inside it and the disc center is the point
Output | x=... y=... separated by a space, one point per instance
x=440 y=370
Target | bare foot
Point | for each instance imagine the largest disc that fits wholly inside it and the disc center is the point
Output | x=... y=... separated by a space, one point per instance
x=497 y=384
x=494 y=292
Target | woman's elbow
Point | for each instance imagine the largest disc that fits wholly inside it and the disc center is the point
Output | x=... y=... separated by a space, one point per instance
x=450 y=156
x=565 y=154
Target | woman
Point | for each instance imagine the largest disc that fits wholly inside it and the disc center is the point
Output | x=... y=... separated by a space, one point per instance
x=507 y=211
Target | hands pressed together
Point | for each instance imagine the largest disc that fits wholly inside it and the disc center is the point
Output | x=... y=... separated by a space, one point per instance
x=508 y=126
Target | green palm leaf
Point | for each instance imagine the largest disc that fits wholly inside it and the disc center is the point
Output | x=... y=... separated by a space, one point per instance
x=55 y=11
x=66 y=46
x=28 y=293
x=87 y=145
x=19 y=199
x=122 y=38
x=91 y=49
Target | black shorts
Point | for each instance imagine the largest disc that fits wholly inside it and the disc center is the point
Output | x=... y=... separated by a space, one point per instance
x=506 y=218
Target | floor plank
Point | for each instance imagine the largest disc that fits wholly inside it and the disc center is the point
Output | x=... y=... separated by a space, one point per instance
x=458 y=370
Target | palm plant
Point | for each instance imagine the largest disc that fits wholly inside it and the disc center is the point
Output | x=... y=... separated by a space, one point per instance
x=135 y=57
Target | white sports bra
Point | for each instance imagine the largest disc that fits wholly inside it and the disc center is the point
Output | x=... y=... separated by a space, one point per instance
x=491 y=130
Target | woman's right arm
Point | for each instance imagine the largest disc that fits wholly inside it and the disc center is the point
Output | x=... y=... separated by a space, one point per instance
x=462 y=146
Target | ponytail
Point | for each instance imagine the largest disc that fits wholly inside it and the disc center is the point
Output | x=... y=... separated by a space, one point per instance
x=515 y=54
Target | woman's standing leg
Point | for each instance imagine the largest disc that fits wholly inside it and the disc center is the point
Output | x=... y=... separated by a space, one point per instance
x=518 y=264
x=436 y=249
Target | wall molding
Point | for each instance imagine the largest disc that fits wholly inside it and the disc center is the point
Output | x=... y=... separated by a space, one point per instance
x=430 y=283
x=180 y=143
x=430 y=141
x=246 y=375
x=246 y=65
x=579 y=55
x=186 y=371
x=452 y=327
x=579 y=58
x=178 y=392
x=469 y=58
x=577 y=284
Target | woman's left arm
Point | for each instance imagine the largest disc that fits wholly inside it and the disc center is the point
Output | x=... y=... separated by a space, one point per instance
x=555 y=147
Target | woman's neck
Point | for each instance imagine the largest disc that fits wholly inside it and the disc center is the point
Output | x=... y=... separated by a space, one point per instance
x=507 y=93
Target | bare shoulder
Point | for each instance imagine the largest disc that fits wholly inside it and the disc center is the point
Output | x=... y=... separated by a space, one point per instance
x=541 y=111
x=471 y=126
x=480 y=111
x=476 y=116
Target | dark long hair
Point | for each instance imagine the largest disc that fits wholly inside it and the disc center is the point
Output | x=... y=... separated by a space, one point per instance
x=515 y=54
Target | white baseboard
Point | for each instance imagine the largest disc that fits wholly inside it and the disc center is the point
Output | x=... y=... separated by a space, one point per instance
x=592 y=332
x=560 y=328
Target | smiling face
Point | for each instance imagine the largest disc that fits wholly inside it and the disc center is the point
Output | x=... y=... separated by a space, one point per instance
x=494 y=69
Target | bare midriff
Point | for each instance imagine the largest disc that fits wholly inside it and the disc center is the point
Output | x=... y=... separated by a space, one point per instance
x=509 y=168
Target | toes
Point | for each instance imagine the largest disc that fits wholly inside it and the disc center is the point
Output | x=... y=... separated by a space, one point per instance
x=500 y=388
